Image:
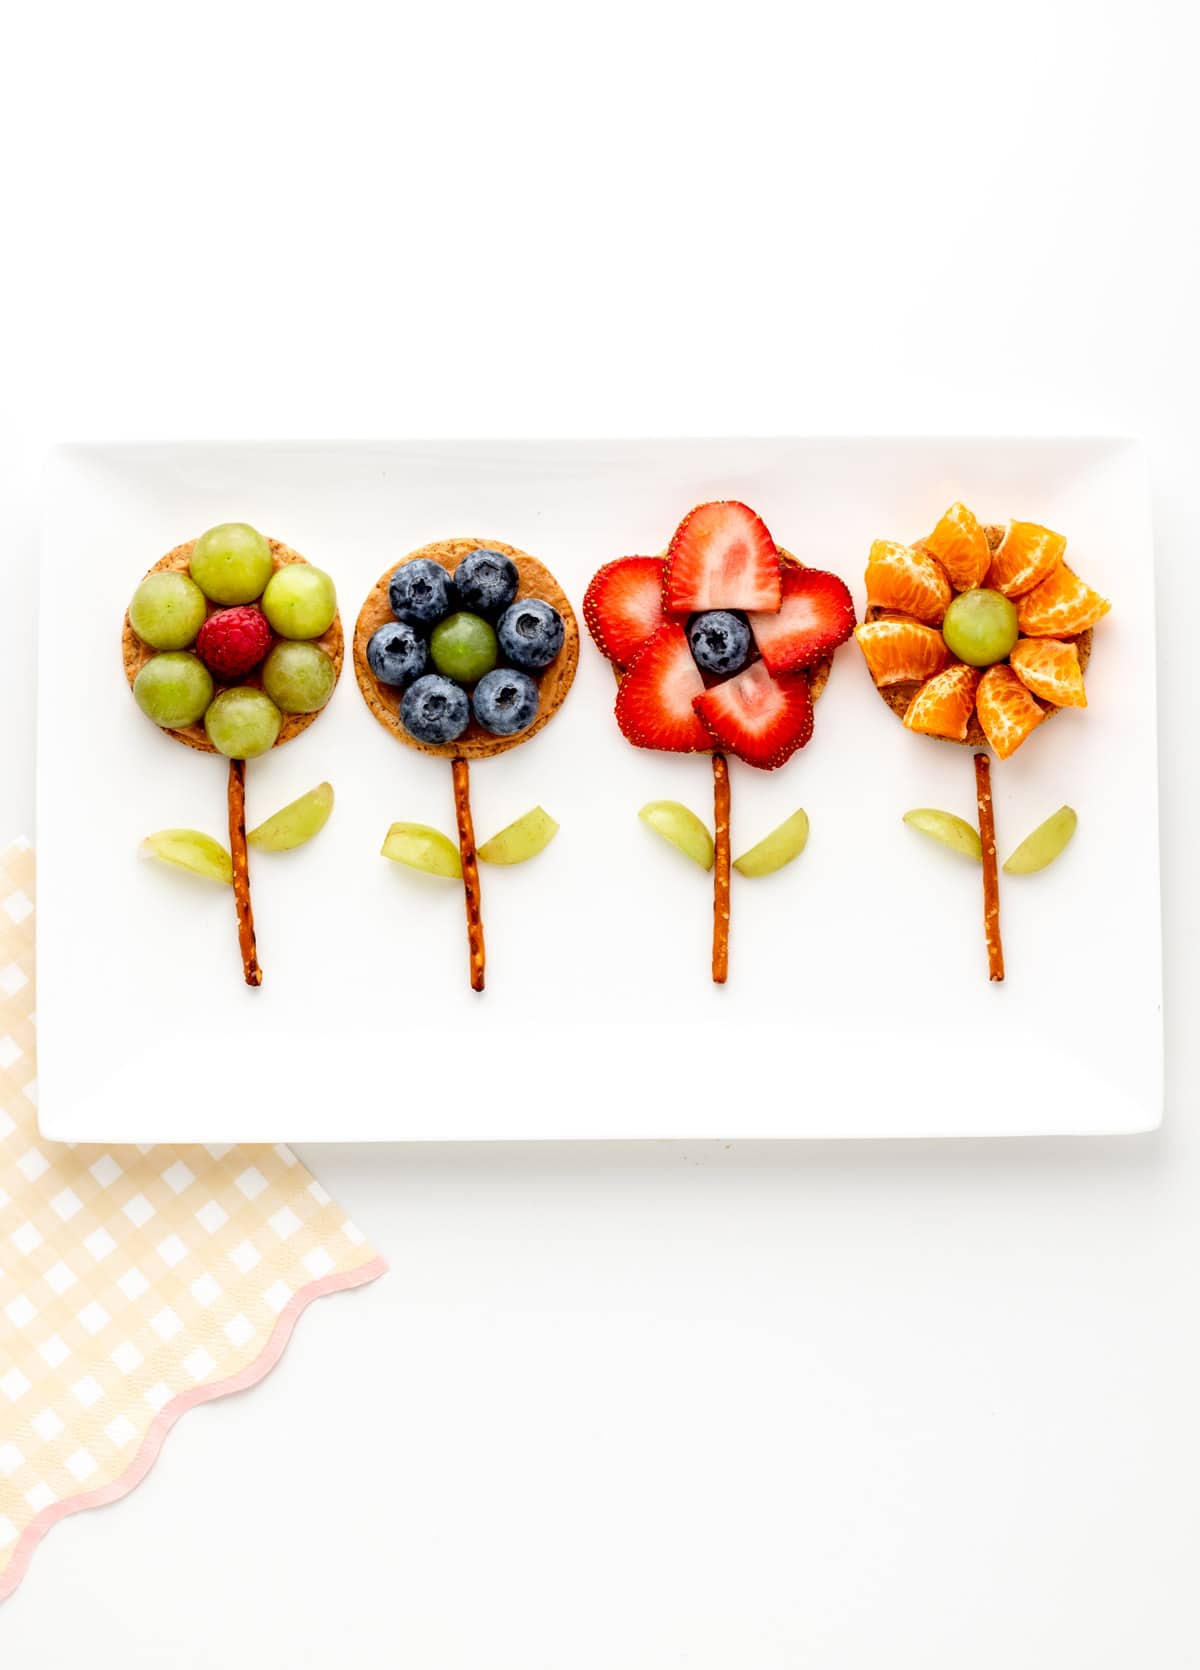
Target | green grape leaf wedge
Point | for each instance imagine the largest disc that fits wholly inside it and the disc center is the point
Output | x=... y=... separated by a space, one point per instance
x=953 y=832
x=682 y=828
x=423 y=848
x=295 y=823
x=521 y=840
x=1044 y=845
x=189 y=849
x=778 y=848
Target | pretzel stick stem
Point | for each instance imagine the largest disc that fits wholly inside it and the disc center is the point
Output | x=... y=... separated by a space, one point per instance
x=991 y=875
x=470 y=871
x=241 y=872
x=720 y=952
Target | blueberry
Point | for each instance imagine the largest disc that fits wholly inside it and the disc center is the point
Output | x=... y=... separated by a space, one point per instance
x=530 y=634
x=720 y=641
x=505 y=702
x=486 y=581
x=435 y=709
x=421 y=591
x=396 y=653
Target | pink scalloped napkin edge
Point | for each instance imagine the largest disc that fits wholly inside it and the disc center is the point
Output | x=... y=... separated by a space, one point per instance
x=135 y=1283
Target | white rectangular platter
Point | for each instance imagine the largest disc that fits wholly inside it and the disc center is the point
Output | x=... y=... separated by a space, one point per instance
x=858 y=1003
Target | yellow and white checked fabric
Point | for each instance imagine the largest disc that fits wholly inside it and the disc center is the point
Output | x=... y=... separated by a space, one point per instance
x=134 y=1282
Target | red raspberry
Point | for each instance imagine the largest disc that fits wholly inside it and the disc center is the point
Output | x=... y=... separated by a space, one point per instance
x=232 y=641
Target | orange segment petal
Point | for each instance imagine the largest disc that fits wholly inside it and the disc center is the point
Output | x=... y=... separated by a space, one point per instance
x=1006 y=710
x=1060 y=607
x=943 y=705
x=901 y=651
x=909 y=581
x=960 y=545
x=1025 y=556
x=1051 y=670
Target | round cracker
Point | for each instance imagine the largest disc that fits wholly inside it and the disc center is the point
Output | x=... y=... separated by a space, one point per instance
x=136 y=653
x=899 y=696
x=534 y=579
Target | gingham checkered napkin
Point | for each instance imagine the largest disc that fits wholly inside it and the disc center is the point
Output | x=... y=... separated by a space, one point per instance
x=134 y=1282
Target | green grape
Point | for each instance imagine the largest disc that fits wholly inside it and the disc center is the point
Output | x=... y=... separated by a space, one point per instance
x=167 y=610
x=242 y=723
x=299 y=678
x=1048 y=840
x=776 y=849
x=188 y=849
x=951 y=831
x=463 y=647
x=520 y=840
x=300 y=601
x=675 y=823
x=980 y=627
x=296 y=822
x=173 y=689
x=232 y=563
x=422 y=848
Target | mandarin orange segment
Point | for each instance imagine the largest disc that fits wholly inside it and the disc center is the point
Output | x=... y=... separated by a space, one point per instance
x=960 y=545
x=1061 y=606
x=1051 y=670
x=1006 y=710
x=1024 y=557
x=944 y=704
x=901 y=651
x=909 y=581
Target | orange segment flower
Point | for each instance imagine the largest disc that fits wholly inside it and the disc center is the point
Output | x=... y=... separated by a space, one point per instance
x=944 y=704
x=898 y=577
x=899 y=651
x=909 y=589
x=1026 y=555
x=1007 y=712
x=960 y=545
x=1060 y=607
x=1051 y=670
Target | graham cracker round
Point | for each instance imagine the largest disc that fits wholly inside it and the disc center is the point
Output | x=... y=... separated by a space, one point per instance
x=136 y=653
x=534 y=579
x=899 y=696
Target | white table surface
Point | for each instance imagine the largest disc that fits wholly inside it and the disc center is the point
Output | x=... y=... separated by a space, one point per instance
x=698 y=1405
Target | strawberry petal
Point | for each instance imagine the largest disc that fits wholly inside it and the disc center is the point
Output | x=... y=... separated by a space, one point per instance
x=623 y=606
x=816 y=616
x=761 y=719
x=656 y=696
x=722 y=557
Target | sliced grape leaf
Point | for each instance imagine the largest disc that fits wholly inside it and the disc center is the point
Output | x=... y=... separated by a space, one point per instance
x=422 y=848
x=297 y=822
x=680 y=826
x=519 y=841
x=953 y=832
x=778 y=848
x=190 y=849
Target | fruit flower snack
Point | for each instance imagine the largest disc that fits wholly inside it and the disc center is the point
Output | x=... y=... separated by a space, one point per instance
x=975 y=635
x=464 y=650
x=232 y=645
x=720 y=646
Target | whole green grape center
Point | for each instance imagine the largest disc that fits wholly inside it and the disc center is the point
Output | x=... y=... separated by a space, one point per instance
x=231 y=563
x=463 y=647
x=980 y=627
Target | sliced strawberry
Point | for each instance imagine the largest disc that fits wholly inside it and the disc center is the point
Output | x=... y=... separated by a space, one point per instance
x=722 y=557
x=623 y=606
x=654 y=701
x=763 y=720
x=817 y=615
